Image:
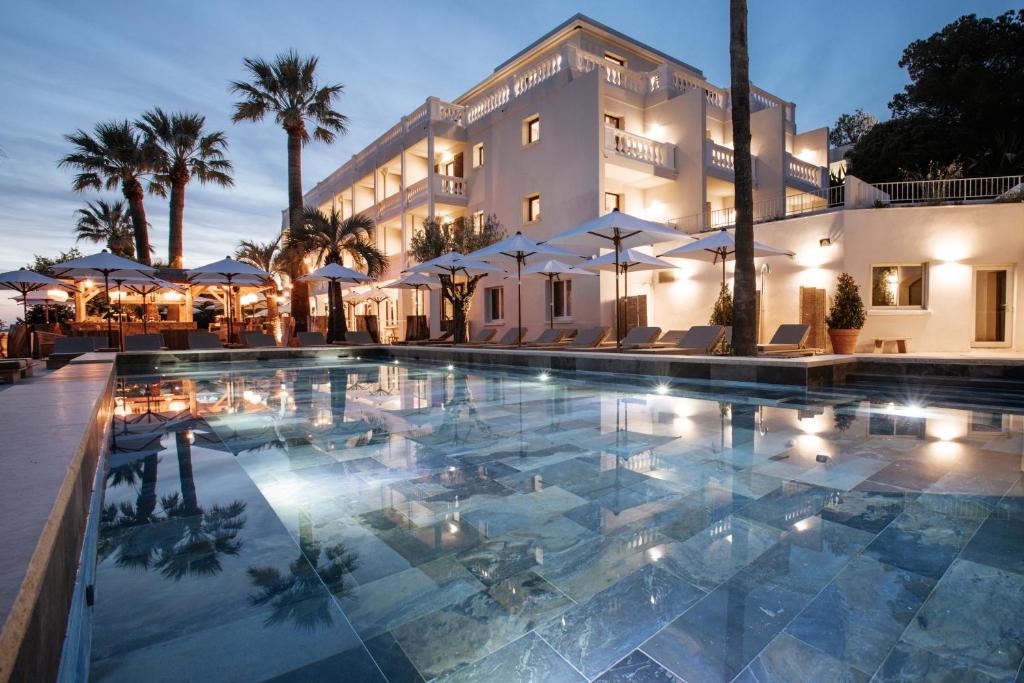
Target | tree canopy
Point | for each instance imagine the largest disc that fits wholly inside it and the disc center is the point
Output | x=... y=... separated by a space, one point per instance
x=964 y=103
x=849 y=128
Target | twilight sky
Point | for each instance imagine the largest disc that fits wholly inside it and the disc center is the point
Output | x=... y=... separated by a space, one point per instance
x=69 y=65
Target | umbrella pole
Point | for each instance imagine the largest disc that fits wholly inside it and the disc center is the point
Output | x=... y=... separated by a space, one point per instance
x=618 y=324
x=551 y=302
x=120 y=319
x=106 y=293
x=145 y=298
x=227 y=308
x=519 y=300
x=625 y=286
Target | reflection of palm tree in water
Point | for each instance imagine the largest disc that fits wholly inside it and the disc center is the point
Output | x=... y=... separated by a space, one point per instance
x=303 y=595
x=184 y=538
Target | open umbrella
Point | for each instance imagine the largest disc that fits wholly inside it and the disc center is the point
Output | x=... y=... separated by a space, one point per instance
x=230 y=272
x=105 y=265
x=454 y=264
x=144 y=287
x=622 y=230
x=625 y=261
x=416 y=282
x=335 y=273
x=44 y=298
x=719 y=246
x=518 y=248
x=24 y=281
x=554 y=270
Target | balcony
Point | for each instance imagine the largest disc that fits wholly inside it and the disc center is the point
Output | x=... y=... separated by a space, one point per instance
x=721 y=162
x=800 y=173
x=647 y=154
x=450 y=189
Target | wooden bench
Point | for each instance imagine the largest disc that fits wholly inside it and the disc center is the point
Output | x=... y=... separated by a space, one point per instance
x=900 y=342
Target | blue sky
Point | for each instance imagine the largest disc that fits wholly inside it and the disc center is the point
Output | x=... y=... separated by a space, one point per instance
x=68 y=65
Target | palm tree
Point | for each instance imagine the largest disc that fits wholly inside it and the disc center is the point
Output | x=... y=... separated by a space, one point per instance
x=330 y=238
x=744 y=316
x=184 y=152
x=288 y=89
x=108 y=223
x=116 y=157
x=266 y=256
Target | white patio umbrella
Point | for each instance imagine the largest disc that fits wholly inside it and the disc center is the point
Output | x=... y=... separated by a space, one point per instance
x=105 y=265
x=623 y=231
x=625 y=261
x=230 y=272
x=416 y=282
x=25 y=281
x=335 y=273
x=453 y=264
x=719 y=246
x=518 y=248
x=554 y=270
x=146 y=286
x=44 y=299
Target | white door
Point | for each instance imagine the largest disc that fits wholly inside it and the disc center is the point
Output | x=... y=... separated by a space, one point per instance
x=993 y=307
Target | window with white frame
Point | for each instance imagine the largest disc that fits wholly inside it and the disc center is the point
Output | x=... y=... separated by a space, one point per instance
x=899 y=285
x=612 y=201
x=531 y=208
x=478 y=221
x=494 y=304
x=613 y=121
x=531 y=129
x=559 y=296
x=478 y=155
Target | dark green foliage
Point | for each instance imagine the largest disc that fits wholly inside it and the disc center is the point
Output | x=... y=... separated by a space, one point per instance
x=847 y=310
x=721 y=314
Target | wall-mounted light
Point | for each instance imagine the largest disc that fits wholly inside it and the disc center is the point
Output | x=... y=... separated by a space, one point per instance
x=825 y=242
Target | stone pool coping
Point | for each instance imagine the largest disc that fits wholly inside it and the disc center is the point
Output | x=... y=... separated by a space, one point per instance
x=54 y=432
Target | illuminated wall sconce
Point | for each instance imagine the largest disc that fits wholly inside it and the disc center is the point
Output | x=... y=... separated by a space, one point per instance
x=825 y=242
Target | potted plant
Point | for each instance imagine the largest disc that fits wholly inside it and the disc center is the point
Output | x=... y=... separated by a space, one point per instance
x=846 y=316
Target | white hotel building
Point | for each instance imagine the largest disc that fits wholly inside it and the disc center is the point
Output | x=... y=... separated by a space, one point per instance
x=585 y=120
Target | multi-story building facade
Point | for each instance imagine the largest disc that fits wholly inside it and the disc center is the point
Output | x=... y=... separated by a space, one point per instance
x=583 y=121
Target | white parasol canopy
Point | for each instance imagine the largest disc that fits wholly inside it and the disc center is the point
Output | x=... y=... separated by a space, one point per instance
x=718 y=247
x=554 y=270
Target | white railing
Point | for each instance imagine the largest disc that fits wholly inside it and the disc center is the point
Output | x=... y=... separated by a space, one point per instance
x=537 y=74
x=953 y=190
x=640 y=148
x=485 y=105
x=415 y=192
x=766 y=210
x=450 y=185
x=805 y=171
x=390 y=202
x=445 y=111
x=724 y=158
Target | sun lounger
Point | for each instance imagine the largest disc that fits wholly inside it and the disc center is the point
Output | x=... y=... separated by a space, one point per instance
x=699 y=340
x=670 y=338
x=443 y=338
x=15 y=369
x=513 y=335
x=202 y=341
x=311 y=339
x=66 y=349
x=482 y=336
x=356 y=338
x=589 y=338
x=144 y=342
x=636 y=338
x=257 y=340
x=788 y=339
x=548 y=336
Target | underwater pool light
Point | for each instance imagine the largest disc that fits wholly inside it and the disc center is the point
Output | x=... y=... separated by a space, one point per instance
x=543 y=377
x=661 y=389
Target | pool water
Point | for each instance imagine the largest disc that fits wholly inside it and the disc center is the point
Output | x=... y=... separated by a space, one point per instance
x=372 y=521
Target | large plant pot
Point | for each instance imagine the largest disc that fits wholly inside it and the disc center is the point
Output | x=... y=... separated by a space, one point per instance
x=843 y=341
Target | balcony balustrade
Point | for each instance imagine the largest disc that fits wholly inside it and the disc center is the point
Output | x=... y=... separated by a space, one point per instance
x=723 y=159
x=639 y=148
x=802 y=171
x=450 y=185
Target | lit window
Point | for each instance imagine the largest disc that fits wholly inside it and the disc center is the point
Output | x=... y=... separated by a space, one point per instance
x=478 y=155
x=612 y=201
x=613 y=121
x=898 y=285
x=531 y=130
x=531 y=208
x=615 y=59
x=494 y=304
x=478 y=221
x=560 y=298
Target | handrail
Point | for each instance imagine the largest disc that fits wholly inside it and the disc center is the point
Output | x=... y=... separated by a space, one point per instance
x=950 y=190
x=766 y=210
x=638 y=147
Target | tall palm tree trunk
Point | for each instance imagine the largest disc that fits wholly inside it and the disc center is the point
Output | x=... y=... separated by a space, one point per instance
x=300 y=291
x=175 y=241
x=133 y=193
x=744 y=316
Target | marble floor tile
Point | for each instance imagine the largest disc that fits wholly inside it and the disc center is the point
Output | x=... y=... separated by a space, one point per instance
x=790 y=660
x=392 y=660
x=595 y=634
x=527 y=660
x=998 y=542
x=788 y=504
x=860 y=615
x=974 y=617
x=922 y=542
x=638 y=668
x=909 y=664
x=870 y=511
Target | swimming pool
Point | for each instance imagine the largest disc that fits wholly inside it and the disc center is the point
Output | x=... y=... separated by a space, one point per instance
x=372 y=520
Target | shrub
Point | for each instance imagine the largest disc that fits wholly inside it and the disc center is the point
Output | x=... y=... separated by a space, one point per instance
x=721 y=314
x=847 y=310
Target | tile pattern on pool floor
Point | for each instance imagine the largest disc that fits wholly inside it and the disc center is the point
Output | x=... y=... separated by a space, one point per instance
x=380 y=522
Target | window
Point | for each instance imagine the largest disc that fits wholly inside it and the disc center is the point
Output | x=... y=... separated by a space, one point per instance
x=531 y=208
x=612 y=201
x=531 y=130
x=448 y=167
x=494 y=304
x=478 y=221
x=559 y=294
x=898 y=286
x=613 y=121
x=615 y=59
x=478 y=155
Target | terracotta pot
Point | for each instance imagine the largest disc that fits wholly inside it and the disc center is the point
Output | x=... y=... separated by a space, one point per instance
x=843 y=341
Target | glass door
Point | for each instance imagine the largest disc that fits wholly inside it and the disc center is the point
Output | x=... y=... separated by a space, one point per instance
x=993 y=310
